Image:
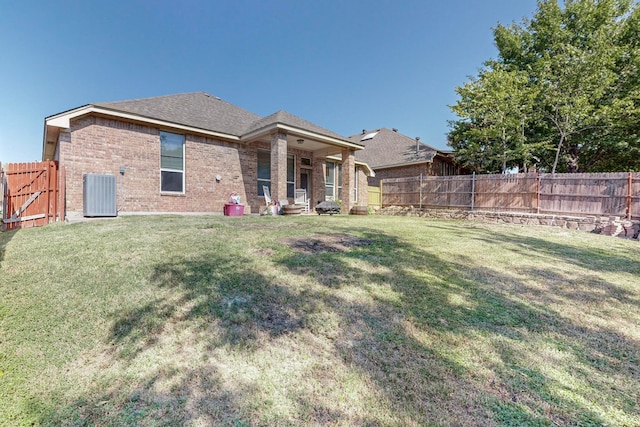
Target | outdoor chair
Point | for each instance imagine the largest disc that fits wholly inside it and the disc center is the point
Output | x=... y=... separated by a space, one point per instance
x=301 y=199
x=267 y=195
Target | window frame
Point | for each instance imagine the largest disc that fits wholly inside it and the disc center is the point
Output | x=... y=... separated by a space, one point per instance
x=330 y=165
x=291 y=185
x=263 y=181
x=172 y=170
x=336 y=182
x=355 y=183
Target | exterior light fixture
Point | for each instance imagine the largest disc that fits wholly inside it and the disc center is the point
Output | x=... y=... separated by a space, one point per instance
x=300 y=141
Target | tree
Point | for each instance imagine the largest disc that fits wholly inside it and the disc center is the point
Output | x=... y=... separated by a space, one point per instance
x=572 y=76
x=496 y=106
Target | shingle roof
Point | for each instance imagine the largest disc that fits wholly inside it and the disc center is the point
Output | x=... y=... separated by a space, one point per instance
x=196 y=109
x=385 y=147
x=286 y=118
x=207 y=112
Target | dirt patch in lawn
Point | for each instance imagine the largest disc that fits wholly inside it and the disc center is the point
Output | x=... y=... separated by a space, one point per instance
x=326 y=243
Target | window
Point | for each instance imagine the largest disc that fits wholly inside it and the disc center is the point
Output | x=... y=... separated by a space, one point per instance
x=329 y=181
x=171 y=162
x=333 y=182
x=339 y=180
x=264 y=173
x=355 y=184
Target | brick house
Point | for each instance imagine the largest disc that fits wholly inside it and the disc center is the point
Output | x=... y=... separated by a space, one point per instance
x=393 y=155
x=188 y=152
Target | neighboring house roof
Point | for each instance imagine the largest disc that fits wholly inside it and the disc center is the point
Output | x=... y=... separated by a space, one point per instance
x=203 y=113
x=385 y=148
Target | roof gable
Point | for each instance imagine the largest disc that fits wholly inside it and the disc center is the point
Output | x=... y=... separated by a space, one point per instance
x=286 y=118
x=385 y=147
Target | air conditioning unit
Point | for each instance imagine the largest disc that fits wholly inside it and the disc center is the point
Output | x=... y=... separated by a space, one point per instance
x=99 y=195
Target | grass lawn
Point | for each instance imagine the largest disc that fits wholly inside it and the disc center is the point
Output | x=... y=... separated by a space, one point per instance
x=341 y=320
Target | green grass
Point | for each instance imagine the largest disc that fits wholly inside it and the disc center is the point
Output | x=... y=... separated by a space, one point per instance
x=313 y=320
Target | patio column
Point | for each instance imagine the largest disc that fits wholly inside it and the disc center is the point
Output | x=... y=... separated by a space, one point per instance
x=279 y=166
x=348 y=179
x=319 y=179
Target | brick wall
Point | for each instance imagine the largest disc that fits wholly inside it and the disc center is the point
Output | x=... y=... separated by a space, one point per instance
x=435 y=168
x=363 y=187
x=399 y=172
x=99 y=145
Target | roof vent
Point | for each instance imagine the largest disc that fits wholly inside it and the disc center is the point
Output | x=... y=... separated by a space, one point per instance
x=364 y=131
x=395 y=129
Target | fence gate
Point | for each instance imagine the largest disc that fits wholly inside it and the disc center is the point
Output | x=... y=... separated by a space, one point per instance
x=375 y=197
x=31 y=194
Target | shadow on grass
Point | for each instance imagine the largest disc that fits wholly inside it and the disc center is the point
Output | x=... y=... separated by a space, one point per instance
x=594 y=258
x=448 y=307
x=5 y=238
x=398 y=316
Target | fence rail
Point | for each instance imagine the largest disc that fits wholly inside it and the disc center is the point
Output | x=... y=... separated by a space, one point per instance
x=607 y=194
x=31 y=194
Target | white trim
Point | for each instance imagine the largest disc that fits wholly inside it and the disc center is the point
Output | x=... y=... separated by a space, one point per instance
x=301 y=132
x=63 y=121
x=358 y=163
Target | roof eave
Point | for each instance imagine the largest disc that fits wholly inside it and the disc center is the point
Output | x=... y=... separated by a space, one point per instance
x=63 y=120
x=397 y=165
x=302 y=132
x=370 y=172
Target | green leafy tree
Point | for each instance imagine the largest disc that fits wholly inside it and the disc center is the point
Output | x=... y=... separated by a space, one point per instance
x=496 y=106
x=572 y=76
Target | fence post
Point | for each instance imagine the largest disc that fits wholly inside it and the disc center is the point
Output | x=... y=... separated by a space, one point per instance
x=629 y=194
x=420 y=190
x=538 y=186
x=473 y=189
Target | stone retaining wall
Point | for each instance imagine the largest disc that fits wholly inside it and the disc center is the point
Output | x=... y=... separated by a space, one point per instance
x=610 y=226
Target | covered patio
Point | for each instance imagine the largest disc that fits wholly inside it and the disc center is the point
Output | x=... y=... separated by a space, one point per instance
x=314 y=148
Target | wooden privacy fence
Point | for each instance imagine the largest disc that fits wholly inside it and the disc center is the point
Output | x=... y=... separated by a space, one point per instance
x=606 y=194
x=375 y=197
x=31 y=194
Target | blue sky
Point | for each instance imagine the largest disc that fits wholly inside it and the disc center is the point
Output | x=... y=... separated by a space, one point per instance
x=345 y=65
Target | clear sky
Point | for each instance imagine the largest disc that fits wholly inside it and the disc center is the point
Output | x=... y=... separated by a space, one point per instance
x=346 y=65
